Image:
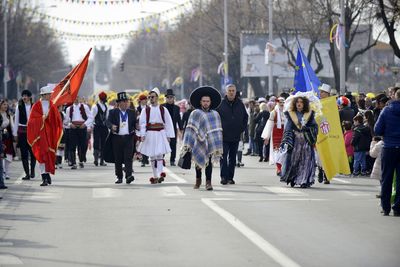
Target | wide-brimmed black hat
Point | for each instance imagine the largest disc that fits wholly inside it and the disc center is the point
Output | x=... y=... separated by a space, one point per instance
x=122 y=96
x=198 y=93
x=27 y=93
x=169 y=92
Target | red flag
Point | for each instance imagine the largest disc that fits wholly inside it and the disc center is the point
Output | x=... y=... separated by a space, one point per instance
x=67 y=90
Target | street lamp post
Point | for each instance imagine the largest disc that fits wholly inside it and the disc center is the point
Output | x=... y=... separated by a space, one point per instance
x=342 y=48
x=5 y=48
x=271 y=36
x=226 y=66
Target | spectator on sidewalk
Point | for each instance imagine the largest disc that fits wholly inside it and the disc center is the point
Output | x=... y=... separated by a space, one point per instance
x=361 y=142
x=388 y=126
x=348 y=136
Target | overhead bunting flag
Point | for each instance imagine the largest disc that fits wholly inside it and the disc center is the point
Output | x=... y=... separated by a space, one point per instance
x=305 y=78
x=67 y=90
x=330 y=141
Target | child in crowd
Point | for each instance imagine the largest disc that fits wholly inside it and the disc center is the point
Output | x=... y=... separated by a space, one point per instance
x=361 y=142
x=348 y=136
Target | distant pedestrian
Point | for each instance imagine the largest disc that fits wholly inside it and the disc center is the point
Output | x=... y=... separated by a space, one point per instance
x=348 y=137
x=7 y=122
x=388 y=126
x=100 y=112
x=234 y=121
x=361 y=142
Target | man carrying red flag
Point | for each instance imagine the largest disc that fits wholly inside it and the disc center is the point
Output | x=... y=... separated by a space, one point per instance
x=44 y=133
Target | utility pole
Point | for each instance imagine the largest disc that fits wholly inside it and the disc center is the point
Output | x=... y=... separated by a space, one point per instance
x=271 y=36
x=342 y=48
x=226 y=66
x=201 y=45
x=5 y=49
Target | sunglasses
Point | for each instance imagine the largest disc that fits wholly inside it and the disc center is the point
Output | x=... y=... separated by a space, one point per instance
x=152 y=96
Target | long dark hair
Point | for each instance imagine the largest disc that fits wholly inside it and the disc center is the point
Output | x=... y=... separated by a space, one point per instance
x=306 y=104
x=8 y=109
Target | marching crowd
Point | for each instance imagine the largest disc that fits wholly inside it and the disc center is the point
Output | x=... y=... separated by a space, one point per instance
x=281 y=130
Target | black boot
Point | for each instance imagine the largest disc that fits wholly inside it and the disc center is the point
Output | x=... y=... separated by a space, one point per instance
x=96 y=157
x=48 y=178
x=44 y=180
x=33 y=165
x=25 y=164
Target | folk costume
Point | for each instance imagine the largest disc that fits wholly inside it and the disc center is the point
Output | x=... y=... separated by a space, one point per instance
x=61 y=146
x=6 y=126
x=174 y=111
x=143 y=158
x=203 y=134
x=120 y=141
x=79 y=119
x=156 y=126
x=44 y=133
x=273 y=131
x=22 y=113
x=299 y=138
x=100 y=113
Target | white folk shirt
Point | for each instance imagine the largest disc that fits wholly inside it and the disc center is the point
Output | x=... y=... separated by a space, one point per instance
x=77 y=116
x=123 y=126
x=155 y=117
x=16 y=117
x=103 y=107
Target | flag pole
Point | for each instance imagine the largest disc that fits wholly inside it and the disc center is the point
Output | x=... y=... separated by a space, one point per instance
x=62 y=91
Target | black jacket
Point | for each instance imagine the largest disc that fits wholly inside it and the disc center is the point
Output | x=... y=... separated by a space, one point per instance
x=174 y=111
x=114 y=119
x=361 y=138
x=234 y=119
x=346 y=114
x=260 y=120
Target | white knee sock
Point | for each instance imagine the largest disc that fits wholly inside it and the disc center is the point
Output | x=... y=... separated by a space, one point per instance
x=42 y=168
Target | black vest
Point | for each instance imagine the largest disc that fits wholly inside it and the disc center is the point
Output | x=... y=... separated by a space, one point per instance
x=23 y=118
x=100 y=119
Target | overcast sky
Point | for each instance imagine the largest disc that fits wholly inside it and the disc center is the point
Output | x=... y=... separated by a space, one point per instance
x=75 y=50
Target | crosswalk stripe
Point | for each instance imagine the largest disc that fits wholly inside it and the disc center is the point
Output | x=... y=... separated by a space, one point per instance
x=283 y=191
x=48 y=193
x=356 y=193
x=9 y=259
x=106 y=193
x=341 y=180
x=172 y=191
x=174 y=176
x=221 y=191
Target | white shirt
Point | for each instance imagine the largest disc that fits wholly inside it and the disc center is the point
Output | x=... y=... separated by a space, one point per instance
x=155 y=117
x=45 y=107
x=123 y=126
x=77 y=116
x=6 y=121
x=16 y=118
x=103 y=107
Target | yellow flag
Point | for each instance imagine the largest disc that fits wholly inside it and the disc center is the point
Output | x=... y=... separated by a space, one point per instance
x=330 y=141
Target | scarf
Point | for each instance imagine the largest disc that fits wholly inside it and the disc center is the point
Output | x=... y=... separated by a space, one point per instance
x=203 y=137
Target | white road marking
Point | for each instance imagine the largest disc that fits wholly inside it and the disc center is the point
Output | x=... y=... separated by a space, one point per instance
x=174 y=176
x=48 y=192
x=285 y=191
x=106 y=193
x=341 y=180
x=255 y=238
x=6 y=244
x=172 y=191
x=356 y=194
x=9 y=259
x=222 y=191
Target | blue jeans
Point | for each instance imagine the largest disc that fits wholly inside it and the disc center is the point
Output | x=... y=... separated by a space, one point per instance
x=360 y=162
x=228 y=161
x=390 y=165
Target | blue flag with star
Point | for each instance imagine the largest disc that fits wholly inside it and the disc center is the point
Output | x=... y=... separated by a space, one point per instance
x=305 y=78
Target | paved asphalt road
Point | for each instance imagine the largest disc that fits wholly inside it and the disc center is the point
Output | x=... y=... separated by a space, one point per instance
x=84 y=219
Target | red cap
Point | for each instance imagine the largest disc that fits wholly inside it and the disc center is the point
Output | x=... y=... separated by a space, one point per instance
x=102 y=96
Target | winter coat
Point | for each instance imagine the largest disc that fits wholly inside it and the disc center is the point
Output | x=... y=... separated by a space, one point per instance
x=260 y=121
x=348 y=136
x=234 y=119
x=361 y=138
x=346 y=114
x=376 y=152
x=388 y=125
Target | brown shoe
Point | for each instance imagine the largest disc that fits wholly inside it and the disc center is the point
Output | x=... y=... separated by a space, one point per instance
x=209 y=186
x=197 y=184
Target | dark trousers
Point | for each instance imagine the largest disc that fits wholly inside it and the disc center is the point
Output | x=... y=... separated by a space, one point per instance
x=123 y=154
x=78 y=140
x=172 y=144
x=99 y=139
x=67 y=148
x=208 y=171
x=228 y=161
x=26 y=152
x=390 y=165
